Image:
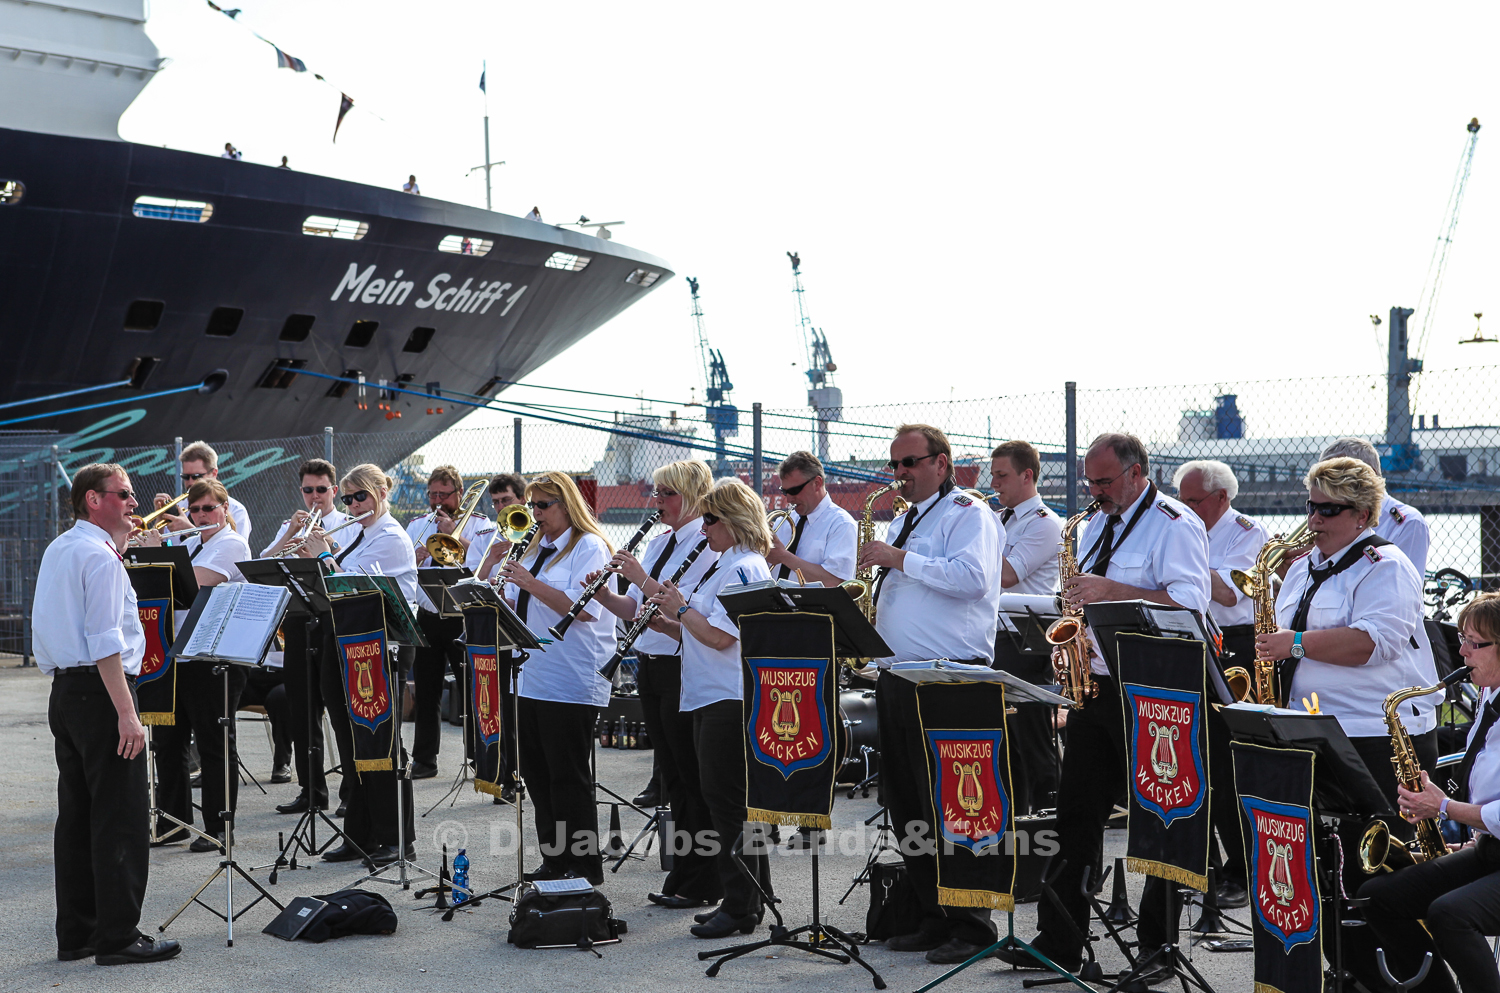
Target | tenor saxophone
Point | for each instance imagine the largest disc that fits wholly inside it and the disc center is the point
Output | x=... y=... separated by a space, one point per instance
x=1069 y=635
x=862 y=586
x=1256 y=584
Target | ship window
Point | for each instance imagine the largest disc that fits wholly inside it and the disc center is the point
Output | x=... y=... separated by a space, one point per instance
x=140 y=369
x=338 y=389
x=281 y=373
x=335 y=227
x=296 y=328
x=12 y=190
x=571 y=263
x=462 y=244
x=162 y=209
x=361 y=334
x=143 y=315
x=643 y=277
x=224 y=322
x=488 y=389
x=420 y=337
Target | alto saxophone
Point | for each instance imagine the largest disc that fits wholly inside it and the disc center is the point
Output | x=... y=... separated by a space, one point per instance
x=862 y=586
x=1256 y=584
x=1068 y=635
x=1377 y=852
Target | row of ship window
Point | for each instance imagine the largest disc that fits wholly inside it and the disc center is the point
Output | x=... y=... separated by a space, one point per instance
x=145 y=315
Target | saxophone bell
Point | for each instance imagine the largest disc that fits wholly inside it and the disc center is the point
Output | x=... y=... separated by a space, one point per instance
x=1241 y=684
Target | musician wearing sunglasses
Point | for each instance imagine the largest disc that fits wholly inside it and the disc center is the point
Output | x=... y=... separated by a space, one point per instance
x=200 y=693
x=379 y=546
x=734 y=521
x=818 y=542
x=318 y=490
x=560 y=690
x=679 y=492
x=1457 y=896
x=200 y=461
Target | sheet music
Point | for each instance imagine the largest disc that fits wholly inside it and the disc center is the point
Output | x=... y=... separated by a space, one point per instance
x=1177 y=622
x=255 y=612
x=206 y=634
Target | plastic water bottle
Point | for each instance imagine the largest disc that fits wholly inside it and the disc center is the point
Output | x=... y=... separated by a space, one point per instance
x=460 y=877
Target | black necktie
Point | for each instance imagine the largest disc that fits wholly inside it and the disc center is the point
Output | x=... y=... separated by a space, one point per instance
x=1319 y=575
x=666 y=553
x=1006 y=515
x=339 y=558
x=523 y=598
x=786 y=570
x=1475 y=745
x=1106 y=546
x=194 y=553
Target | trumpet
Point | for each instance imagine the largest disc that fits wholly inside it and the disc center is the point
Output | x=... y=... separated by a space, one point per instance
x=141 y=523
x=560 y=629
x=294 y=546
x=446 y=549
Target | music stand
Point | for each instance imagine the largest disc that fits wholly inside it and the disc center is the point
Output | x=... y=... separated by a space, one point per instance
x=435 y=582
x=1108 y=619
x=1030 y=615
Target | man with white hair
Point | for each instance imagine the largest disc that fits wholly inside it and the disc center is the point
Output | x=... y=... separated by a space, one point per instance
x=1400 y=524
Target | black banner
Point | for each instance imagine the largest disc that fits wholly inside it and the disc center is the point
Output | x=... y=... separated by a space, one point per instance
x=486 y=715
x=1163 y=682
x=969 y=791
x=365 y=669
x=791 y=702
x=156 y=686
x=1275 y=787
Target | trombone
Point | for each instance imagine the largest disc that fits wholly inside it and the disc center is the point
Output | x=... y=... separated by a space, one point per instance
x=446 y=549
x=141 y=523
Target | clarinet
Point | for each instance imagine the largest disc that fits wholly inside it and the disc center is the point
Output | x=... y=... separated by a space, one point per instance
x=607 y=670
x=560 y=629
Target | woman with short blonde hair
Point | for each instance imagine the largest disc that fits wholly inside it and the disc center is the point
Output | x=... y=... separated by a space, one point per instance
x=1349 y=481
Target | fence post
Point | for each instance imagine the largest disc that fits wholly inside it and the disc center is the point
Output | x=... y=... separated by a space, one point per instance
x=328 y=445
x=517 y=468
x=1071 y=389
x=177 y=443
x=755 y=460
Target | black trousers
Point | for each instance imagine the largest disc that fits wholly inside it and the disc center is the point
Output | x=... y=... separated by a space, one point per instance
x=267 y=688
x=441 y=656
x=1240 y=640
x=1458 y=896
x=1094 y=779
x=555 y=765
x=370 y=797
x=200 y=705
x=303 y=671
x=510 y=771
x=659 y=682
x=100 y=845
x=719 y=738
x=1033 y=741
x=903 y=781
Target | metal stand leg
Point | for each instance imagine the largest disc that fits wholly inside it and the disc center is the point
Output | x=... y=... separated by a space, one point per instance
x=401 y=863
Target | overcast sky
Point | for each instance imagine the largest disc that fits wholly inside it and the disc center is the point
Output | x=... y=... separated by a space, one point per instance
x=988 y=198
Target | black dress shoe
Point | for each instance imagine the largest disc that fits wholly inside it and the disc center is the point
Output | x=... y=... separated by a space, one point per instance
x=142 y=949
x=343 y=809
x=713 y=912
x=544 y=871
x=722 y=925
x=648 y=797
x=201 y=844
x=1232 y=896
x=382 y=857
x=507 y=793
x=74 y=954
x=673 y=902
x=954 y=951
x=1019 y=959
x=1161 y=972
x=297 y=806
x=280 y=774
x=917 y=941
x=423 y=770
x=344 y=853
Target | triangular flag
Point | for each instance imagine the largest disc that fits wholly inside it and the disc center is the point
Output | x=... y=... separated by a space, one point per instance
x=285 y=61
x=482 y=73
x=346 y=104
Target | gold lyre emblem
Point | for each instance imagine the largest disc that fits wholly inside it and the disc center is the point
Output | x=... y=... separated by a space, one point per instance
x=786 y=701
x=1163 y=755
x=483 y=701
x=1280 y=873
x=364 y=682
x=969 y=792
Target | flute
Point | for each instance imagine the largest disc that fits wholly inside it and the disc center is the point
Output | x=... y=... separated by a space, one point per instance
x=607 y=670
x=560 y=629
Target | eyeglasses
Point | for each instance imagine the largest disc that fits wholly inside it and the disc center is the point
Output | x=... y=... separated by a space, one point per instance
x=1328 y=509
x=664 y=494
x=350 y=499
x=1102 y=483
x=1195 y=503
x=122 y=494
x=316 y=489
x=794 y=490
x=440 y=494
x=1473 y=645
x=541 y=504
x=204 y=508
x=709 y=520
x=193 y=477
x=905 y=463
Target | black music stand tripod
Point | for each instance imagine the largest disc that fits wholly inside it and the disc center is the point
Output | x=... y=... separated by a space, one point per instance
x=435 y=582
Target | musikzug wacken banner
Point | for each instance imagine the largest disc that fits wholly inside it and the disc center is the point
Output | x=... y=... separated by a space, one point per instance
x=1163 y=682
x=791 y=694
x=487 y=717
x=365 y=668
x=156 y=686
x=1275 y=787
x=968 y=777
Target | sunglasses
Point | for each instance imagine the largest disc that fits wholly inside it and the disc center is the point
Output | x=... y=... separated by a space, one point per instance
x=193 y=477
x=1328 y=509
x=316 y=489
x=350 y=499
x=664 y=494
x=439 y=494
x=794 y=490
x=541 y=504
x=204 y=508
x=122 y=494
x=709 y=520
x=1475 y=645
x=906 y=463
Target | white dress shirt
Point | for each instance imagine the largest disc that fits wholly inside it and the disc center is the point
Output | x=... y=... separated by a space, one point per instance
x=424 y=527
x=710 y=675
x=1167 y=551
x=1380 y=595
x=1031 y=546
x=945 y=600
x=1233 y=543
x=381 y=549
x=1406 y=528
x=568 y=670
x=219 y=554
x=1484 y=775
x=85 y=609
x=688 y=536
x=327 y=522
x=828 y=540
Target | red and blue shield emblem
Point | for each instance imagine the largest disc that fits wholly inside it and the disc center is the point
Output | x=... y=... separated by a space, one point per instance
x=155 y=616
x=1166 y=754
x=363 y=659
x=484 y=683
x=788 y=718
x=1281 y=870
x=967 y=791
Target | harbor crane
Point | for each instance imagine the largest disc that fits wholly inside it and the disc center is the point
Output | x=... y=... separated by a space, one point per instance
x=722 y=415
x=826 y=399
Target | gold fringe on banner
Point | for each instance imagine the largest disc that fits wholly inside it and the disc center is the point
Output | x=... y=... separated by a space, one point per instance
x=1176 y=874
x=947 y=896
x=822 y=821
x=372 y=765
x=480 y=786
x=159 y=719
x=1266 y=988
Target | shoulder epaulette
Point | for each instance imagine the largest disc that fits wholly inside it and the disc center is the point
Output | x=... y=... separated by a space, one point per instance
x=1245 y=522
x=1041 y=512
x=963 y=500
x=484 y=531
x=1372 y=553
x=1400 y=517
x=1162 y=506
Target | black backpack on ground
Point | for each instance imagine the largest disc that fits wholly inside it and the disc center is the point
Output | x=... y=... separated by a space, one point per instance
x=563 y=920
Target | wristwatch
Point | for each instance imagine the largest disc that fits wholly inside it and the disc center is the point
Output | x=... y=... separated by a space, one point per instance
x=1297 y=650
x=1443 y=808
x=682 y=610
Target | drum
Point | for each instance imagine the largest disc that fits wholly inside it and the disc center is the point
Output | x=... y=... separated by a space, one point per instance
x=858 y=737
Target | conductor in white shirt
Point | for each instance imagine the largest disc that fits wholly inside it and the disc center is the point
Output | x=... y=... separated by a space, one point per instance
x=818 y=542
x=87 y=636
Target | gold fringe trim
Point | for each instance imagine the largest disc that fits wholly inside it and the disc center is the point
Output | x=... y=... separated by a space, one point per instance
x=480 y=786
x=791 y=819
x=159 y=719
x=947 y=896
x=372 y=765
x=1174 y=873
x=1266 y=988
